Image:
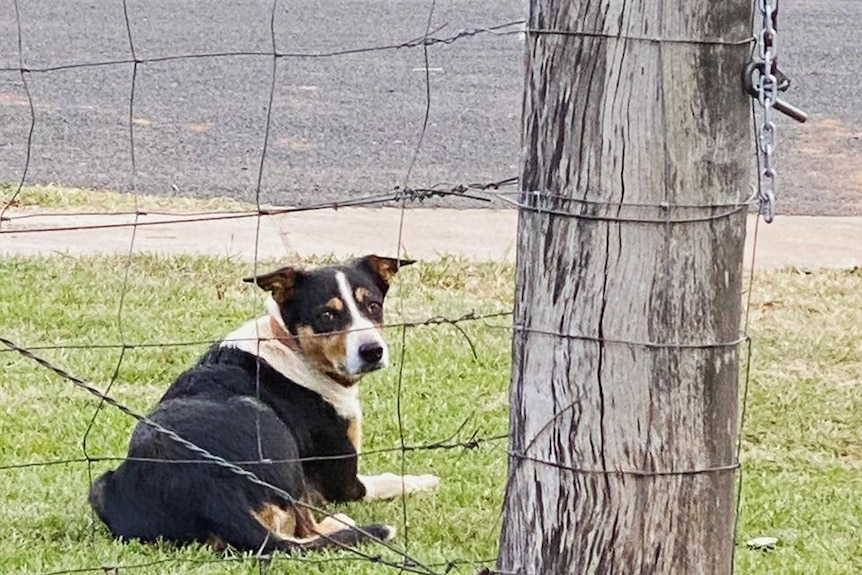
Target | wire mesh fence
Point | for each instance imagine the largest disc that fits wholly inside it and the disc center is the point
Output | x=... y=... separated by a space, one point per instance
x=126 y=63
x=128 y=50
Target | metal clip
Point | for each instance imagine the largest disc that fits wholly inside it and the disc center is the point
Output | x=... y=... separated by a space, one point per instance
x=751 y=78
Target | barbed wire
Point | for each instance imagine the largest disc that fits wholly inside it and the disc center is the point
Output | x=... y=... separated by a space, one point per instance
x=486 y=192
x=537 y=201
x=400 y=195
x=601 y=339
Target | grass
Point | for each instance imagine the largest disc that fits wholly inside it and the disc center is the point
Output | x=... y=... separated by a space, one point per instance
x=802 y=441
x=802 y=438
x=79 y=199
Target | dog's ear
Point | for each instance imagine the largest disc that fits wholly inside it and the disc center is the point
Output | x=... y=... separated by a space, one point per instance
x=381 y=269
x=281 y=283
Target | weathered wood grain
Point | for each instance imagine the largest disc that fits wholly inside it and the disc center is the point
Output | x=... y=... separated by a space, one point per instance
x=633 y=122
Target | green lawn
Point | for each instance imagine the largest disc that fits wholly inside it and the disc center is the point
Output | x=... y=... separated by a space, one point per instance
x=802 y=438
x=66 y=199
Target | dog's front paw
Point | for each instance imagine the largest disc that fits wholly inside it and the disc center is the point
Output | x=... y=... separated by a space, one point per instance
x=389 y=485
x=416 y=483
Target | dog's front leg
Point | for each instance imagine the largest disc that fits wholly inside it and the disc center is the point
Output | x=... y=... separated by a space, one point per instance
x=389 y=485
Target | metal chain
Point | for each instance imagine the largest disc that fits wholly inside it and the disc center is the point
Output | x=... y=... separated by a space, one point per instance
x=767 y=94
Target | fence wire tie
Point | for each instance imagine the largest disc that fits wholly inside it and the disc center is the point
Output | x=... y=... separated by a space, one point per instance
x=579 y=470
x=619 y=36
x=731 y=345
x=556 y=204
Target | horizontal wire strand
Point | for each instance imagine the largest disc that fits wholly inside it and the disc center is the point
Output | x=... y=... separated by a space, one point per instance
x=472 y=443
x=432 y=321
x=730 y=467
x=398 y=195
x=747 y=41
x=422 y=41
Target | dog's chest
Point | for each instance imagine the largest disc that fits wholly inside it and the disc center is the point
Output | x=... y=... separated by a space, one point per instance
x=257 y=338
x=354 y=433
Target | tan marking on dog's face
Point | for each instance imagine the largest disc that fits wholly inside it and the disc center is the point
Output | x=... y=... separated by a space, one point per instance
x=361 y=294
x=335 y=304
x=354 y=434
x=325 y=351
x=369 y=306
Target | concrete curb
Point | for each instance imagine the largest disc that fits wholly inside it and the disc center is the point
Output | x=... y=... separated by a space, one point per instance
x=791 y=241
x=196 y=235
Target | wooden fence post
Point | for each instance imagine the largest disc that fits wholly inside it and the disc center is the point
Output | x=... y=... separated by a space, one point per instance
x=636 y=158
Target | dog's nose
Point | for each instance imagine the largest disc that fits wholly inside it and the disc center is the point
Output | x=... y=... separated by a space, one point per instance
x=371 y=352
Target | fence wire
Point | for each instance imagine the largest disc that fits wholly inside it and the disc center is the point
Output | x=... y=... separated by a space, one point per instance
x=404 y=195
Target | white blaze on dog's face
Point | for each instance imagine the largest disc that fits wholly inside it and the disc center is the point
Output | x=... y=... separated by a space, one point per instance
x=364 y=347
x=335 y=314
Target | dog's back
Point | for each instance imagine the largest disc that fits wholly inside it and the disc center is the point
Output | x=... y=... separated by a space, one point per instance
x=164 y=490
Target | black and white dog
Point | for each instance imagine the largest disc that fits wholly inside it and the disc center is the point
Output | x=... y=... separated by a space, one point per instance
x=279 y=397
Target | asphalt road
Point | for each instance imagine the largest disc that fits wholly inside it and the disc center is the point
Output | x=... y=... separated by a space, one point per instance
x=347 y=125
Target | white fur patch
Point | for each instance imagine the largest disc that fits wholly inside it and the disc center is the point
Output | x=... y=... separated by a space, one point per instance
x=389 y=485
x=360 y=331
x=258 y=338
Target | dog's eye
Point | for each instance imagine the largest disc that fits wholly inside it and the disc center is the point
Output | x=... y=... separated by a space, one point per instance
x=326 y=316
x=374 y=307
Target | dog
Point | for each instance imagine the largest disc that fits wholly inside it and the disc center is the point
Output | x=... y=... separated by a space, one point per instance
x=279 y=397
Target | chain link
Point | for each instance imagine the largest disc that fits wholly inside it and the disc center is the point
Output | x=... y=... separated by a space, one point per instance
x=767 y=94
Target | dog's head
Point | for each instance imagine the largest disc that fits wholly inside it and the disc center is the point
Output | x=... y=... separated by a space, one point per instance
x=333 y=313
